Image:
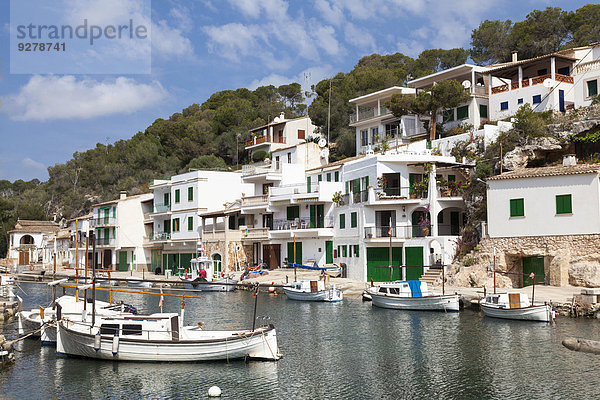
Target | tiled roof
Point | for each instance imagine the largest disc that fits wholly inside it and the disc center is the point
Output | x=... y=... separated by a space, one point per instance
x=509 y=65
x=23 y=225
x=119 y=200
x=549 y=171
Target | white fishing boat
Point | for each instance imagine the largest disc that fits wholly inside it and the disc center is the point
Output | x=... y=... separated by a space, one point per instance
x=332 y=270
x=205 y=276
x=7 y=287
x=137 y=282
x=312 y=291
x=162 y=337
x=515 y=306
x=41 y=322
x=411 y=295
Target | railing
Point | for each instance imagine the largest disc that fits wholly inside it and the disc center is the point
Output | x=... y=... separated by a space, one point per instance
x=447 y=192
x=394 y=192
x=564 y=78
x=405 y=231
x=344 y=200
x=499 y=89
x=482 y=90
x=161 y=208
x=587 y=67
x=160 y=236
x=302 y=223
x=255 y=200
x=255 y=233
x=257 y=168
x=448 y=230
x=103 y=221
x=533 y=81
x=105 y=241
x=264 y=139
x=360 y=197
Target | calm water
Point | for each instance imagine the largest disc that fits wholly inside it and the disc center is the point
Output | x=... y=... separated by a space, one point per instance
x=348 y=350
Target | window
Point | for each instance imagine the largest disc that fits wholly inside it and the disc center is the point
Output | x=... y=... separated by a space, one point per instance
x=563 y=204
x=109 y=329
x=344 y=251
x=374 y=134
x=441 y=217
x=537 y=99
x=320 y=178
x=355 y=250
x=504 y=105
x=293 y=212
x=448 y=115
x=342 y=221
x=132 y=329
x=592 y=88
x=451 y=178
x=364 y=137
x=542 y=71
x=301 y=134
x=191 y=193
x=353 y=220
x=564 y=71
x=520 y=101
x=177 y=195
x=166 y=199
x=190 y=223
x=517 y=208
x=462 y=112
x=175 y=224
x=308 y=188
x=289 y=158
x=114 y=210
x=337 y=176
x=329 y=177
x=231 y=222
x=277 y=162
x=483 y=111
x=241 y=221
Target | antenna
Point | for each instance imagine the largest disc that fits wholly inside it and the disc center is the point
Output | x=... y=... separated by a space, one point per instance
x=466 y=84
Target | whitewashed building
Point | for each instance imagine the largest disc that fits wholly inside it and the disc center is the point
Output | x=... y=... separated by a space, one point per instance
x=586 y=74
x=26 y=240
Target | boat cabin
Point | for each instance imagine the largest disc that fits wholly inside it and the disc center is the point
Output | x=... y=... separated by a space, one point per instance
x=404 y=288
x=308 y=286
x=211 y=267
x=508 y=300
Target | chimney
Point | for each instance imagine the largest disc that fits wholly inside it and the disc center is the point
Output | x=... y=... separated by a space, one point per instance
x=122 y=195
x=514 y=56
x=569 y=159
x=282 y=116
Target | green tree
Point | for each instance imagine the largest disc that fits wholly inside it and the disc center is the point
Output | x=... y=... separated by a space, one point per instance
x=542 y=32
x=490 y=42
x=529 y=123
x=206 y=162
x=584 y=25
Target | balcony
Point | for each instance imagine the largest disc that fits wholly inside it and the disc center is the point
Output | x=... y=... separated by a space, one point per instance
x=160 y=208
x=103 y=221
x=255 y=200
x=255 y=233
x=360 y=197
x=365 y=113
x=531 y=82
x=401 y=232
x=105 y=241
x=230 y=234
x=302 y=223
x=160 y=236
x=587 y=67
x=264 y=139
x=261 y=169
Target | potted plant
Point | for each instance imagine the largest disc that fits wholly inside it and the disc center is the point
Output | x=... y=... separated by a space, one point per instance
x=338 y=199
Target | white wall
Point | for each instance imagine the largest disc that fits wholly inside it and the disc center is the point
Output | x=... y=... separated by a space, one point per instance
x=539 y=196
x=581 y=90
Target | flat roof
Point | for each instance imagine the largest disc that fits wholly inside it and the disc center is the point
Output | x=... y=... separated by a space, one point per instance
x=454 y=71
x=277 y=123
x=379 y=92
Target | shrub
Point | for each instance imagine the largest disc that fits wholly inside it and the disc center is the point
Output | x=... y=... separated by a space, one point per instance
x=259 y=155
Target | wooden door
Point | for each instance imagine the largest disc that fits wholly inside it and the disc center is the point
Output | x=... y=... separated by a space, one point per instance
x=314 y=286
x=272 y=255
x=514 y=300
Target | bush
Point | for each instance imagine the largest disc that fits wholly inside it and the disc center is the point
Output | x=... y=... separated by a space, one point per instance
x=468 y=261
x=259 y=155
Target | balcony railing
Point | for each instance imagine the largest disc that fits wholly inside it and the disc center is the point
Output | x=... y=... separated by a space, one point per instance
x=255 y=233
x=255 y=200
x=302 y=223
x=530 y=82
x=157 y=208
x=104 y=221
x=160 y=236
x=264 y=139
x=587 y=67
x=360 y=197
x=102 y=241
x=258 y=168
x=406 y=231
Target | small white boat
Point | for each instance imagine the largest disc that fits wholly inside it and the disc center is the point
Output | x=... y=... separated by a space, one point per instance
x=411 y=295
x=515 y=306
x=203 y=276
x=41 y=321
x=7 y=287
x=312 y=291
x=137 y=282
x=162 y=337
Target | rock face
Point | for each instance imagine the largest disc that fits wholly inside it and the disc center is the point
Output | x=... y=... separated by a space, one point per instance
x=539 y=149
x=585 y=271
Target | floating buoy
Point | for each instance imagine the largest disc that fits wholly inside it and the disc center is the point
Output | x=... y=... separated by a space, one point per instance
x=115 y=344
x=214 y=391
x=272 y=289
x=97 y=341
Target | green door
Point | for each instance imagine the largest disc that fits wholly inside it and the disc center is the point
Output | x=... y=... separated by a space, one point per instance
x=378 y=263
x=290 y=248
x=328 y=252
x=185 y=259
x=313 y=216
x=171 y=261
x=414 y=258
x=122 y=260
x=321 y=215
x=156 y=257
x=106 y=215
x=217 y=264
x=533 y=265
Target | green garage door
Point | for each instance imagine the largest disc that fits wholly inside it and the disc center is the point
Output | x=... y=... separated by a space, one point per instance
x=414 y=258
x=185 y=259
x=170 y=261
x=290 y=252
x=535 y=265
x=328 y=252
x=378 y=262
x=122 y=260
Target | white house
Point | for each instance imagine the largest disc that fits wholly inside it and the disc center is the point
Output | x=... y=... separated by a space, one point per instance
x=376 y=125
x=120 y=233
x=586 y=74
x=26 y=240
x=281 y=132
x=175 y=224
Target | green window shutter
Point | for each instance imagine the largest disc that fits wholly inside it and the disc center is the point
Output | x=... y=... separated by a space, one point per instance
x=175 y=224
x=321 y=215
x=347 y=187
x=356 y=185
x=177 y=195
x=462 y=112
x=564 y=204
x=313 y=216
x=166 y=199
x=190 y=223
x=308 y=184
x=517 y=208
x=114 y=210
x=366 y=182
x=344 y=251
x=592 y=87
x=290 y=213
x=342 y=221
x=353 y=220
x=337 y=176
x=191 y=193
x=483 y=111
x=320 y=178
x=114 y=233
x=329 y=177
x=356 y=250
x=241 y=221
x=451 y=178
x=231 y=220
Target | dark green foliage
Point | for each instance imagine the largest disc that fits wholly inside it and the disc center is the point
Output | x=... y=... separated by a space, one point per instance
x=490 y=42
x=584 y=25
x=542 y=32
x=259 y=155
x=206 y=162
x=528 y=123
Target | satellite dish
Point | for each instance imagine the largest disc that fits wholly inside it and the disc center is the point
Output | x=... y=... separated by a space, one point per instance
x=548 y=83
x=276 y=119
x=322 y=142
x=466 y=83
x=324 y=153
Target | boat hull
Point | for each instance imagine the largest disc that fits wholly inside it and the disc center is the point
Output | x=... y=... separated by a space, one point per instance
x=541 y=313
x=220 y=285
x=329 y=295
x=426 y=303
x=260 y=344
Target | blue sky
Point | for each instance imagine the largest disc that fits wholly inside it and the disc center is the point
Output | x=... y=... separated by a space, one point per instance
x=203 y=46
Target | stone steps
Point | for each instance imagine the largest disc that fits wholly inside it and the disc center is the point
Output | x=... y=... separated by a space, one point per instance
x=431 y=276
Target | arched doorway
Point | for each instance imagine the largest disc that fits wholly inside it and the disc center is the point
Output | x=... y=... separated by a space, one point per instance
x=217 y=265
x=26 y=239
x=421 y=223
x=449 y=221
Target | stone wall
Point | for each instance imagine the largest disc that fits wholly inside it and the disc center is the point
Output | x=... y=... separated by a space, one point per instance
x=228 y=255
x=568 y=259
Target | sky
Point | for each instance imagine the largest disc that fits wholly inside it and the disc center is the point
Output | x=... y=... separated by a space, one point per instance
x=199 y=47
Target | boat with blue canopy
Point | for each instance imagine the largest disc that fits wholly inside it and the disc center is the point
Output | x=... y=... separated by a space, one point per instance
x=411 y=295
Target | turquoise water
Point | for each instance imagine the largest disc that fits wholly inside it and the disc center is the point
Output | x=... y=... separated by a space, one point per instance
x=348 y=350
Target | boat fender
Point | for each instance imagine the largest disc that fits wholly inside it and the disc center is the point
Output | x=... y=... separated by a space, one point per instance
x=115 y=344
x=97 y=341
x=214 y=391
x=42 y=313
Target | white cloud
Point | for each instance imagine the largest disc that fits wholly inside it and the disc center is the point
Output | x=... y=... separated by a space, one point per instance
x=331 y=12
x=324 y=37
x=30 y=164
x=167 y=41
x=234 y=40
x=410 y=48
x=359 y=37
x=50 y=97
x=306 y=78
x=273 y=9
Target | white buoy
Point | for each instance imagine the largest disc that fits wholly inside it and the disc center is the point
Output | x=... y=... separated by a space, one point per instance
x=115 y=344
x=214 y=391
x=97 y=341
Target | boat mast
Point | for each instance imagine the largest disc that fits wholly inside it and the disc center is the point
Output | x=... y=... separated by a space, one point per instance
x=295 y=279
x=391 y=268
x=93 y=237
x=76 y=258
x=255 y=303
x=494 y=270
